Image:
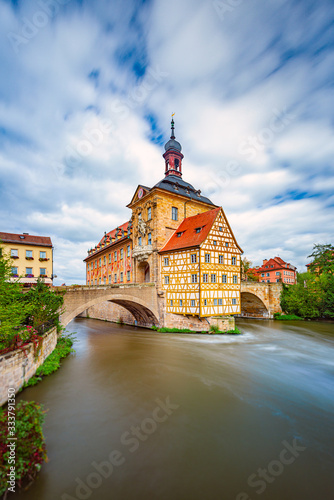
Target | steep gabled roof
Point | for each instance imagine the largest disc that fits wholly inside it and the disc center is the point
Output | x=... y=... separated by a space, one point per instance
x=26 y=239
x=274 y=264
x=187 y=230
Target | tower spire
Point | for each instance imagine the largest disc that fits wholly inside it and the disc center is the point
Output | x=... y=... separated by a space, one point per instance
x=172 y=126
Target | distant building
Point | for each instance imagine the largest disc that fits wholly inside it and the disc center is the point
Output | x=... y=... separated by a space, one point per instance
x=31 y=257
x=276 y=270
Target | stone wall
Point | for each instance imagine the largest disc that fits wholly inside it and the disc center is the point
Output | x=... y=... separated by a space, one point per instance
x=110 y=312
x=18 y=366
x=224 y=323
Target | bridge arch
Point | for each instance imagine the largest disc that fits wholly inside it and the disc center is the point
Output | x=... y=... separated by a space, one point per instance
x=142 y=312
x=253 y=306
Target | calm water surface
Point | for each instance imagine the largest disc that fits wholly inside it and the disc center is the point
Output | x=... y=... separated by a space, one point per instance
x=137 y=415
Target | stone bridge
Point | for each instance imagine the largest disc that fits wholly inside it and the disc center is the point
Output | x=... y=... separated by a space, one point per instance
x=146 y=305
x=260 y=300
x=140 y=299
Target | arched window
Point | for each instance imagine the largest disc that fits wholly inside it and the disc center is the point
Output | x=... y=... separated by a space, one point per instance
x=176 y=163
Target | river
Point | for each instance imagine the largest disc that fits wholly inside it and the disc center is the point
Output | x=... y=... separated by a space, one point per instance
x=138 y=415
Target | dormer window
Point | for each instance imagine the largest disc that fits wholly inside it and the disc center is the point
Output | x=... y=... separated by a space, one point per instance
x=179 y=234
x=198 y=229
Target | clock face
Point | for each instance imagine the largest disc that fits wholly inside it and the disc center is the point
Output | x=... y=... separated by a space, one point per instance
x=140 y=193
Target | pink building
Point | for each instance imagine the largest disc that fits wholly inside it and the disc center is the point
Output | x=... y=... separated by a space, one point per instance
x=276 y=270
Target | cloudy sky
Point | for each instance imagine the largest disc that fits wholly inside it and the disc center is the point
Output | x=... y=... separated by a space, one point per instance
x=86 y=94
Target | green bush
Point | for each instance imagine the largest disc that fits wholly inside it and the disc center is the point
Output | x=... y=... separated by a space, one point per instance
x=52 y=362
x=30 y=450
x=287 y=317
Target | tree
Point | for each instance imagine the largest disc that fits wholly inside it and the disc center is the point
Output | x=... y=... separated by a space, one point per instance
x=323 y=259
x=246 y=271
x=13 y=308
x=44 y=306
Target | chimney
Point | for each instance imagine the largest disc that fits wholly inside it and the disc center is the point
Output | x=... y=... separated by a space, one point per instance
x=265 y=261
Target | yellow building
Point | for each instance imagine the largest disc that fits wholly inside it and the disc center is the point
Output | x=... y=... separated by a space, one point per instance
x=200 y=267
x=164 y=247
x=31 y=256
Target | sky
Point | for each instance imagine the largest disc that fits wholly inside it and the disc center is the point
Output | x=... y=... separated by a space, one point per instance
x=87 y=90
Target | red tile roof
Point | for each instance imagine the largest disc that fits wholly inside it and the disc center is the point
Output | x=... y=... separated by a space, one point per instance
x=189 y=238
x=112 y=233
x=274 y=264
x=26 y=239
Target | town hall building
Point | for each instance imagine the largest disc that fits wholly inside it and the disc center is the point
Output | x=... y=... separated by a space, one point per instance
x=177 y=239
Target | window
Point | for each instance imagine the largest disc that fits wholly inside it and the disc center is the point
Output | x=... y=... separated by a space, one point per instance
x=100 y=281
x=92 y=266
x=166 y=280
x=205 y=302
x=277 y=280
x=115 y=278
x=176 y=163
x=194 y=278
x=96 y=264
x=267 y=274
x=121 y=252
x=42 y=271
x=100 y=261
x=221 y=259
x=104 y=260
x=171 y=302
x=193 y=258
x=95 y=282
x=121 y=278
x=179 y=234
x=205 y=278
x=235 y=279
x=220 y=302
x=105 y=280
x=226 y=244
x=128 y=277
x=215 y=302
x=28 y=254
x=174 y=213
x=277 y=273
x=115 y=255
x=224 y=278
x=139 y=241
x=149 y=239
x=268 y=281
x=192 y=303
x=149 y=213
x=181 y=302
x=207 y=257
x=28 y=270
x=109 y=279
x=234 y=301
x=215 y=242
x=262 y=275
x=42 y=255
x=128 y=250
x=14 y=252
x=198 y=229
x=234 y=261
x=221 y=228
x=14 y=270
x=213 y=278
x=166 y=261
x=110 y=258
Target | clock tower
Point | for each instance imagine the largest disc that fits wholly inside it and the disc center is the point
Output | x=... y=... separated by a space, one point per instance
x=173 y=156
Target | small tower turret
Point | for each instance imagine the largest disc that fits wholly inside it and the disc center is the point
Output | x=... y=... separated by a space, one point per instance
x=173 y=156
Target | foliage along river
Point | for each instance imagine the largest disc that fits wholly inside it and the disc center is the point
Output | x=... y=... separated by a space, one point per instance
x=137 y=415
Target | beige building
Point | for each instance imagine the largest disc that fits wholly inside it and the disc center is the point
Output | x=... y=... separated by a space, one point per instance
x=31 y=256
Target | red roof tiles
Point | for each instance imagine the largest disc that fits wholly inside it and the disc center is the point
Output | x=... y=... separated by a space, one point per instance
x=189 y=237
x=26 y=239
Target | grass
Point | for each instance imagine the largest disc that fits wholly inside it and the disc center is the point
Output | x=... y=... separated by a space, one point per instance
x=52 y=362
x=287 y=317
x=213 y=329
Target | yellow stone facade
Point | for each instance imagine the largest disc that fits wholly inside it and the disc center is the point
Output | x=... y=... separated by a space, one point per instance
x=31 y=257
